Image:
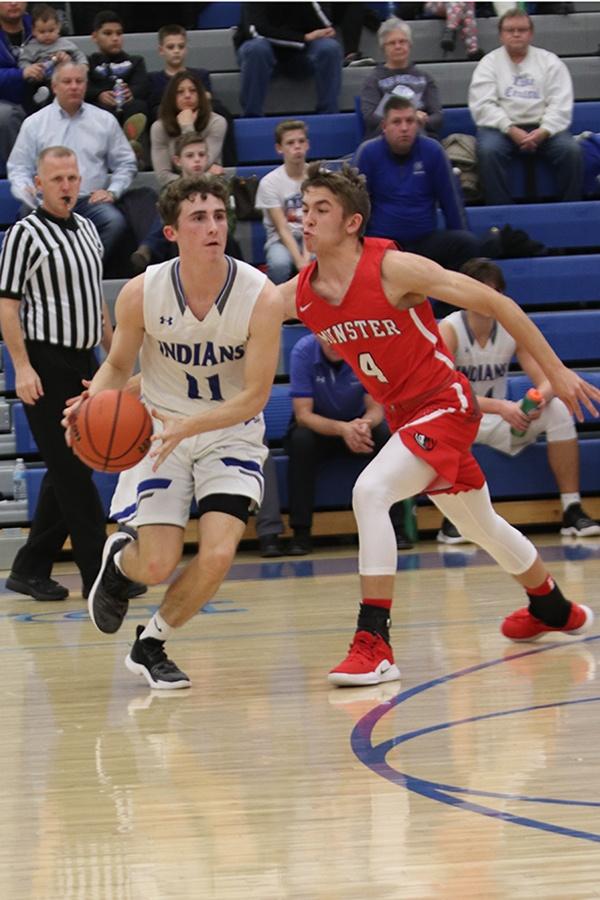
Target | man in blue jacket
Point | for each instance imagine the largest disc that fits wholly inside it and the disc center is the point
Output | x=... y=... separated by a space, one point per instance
x=15 y=29
x=408 y=175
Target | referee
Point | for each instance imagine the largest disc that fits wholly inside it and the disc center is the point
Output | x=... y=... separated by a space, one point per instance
x=52 y=315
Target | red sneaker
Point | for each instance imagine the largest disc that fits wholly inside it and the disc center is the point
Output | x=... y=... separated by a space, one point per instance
x=370 y=660
x=522 y=626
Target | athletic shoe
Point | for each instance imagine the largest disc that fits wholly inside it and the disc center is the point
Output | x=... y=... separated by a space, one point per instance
x=354 y=60
x=576 y=522
x=269 y=546
x=36 y=587
x=522 y=626
x=147 y=657
x=370 y=660
x=134 y=589
x=300 y=545
x=134 y=126
x=108 y=600
x=449 y=534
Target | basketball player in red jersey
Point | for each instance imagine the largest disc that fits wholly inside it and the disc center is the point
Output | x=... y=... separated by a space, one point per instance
x=370 y=302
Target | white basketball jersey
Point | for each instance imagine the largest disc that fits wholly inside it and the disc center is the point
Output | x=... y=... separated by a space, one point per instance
x=485 y=367
x=187 y=364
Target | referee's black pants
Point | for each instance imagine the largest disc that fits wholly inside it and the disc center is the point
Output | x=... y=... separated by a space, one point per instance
x=69 y=503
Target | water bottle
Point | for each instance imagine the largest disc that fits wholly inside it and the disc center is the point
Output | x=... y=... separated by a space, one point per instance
x=530 y=401
x=411 y=529
x=19 y=480
x=119 y=92
x=48 y=65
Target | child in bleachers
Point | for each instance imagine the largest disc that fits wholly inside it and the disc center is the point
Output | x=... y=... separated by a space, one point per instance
x=47 y=47
x=483 y=350
x=172 y=46
x=458 y=16
x=190 y=158
x=185 y=107
x=118 y=81
x=280 y=200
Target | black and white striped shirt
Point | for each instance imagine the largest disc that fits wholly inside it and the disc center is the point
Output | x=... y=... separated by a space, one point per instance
x=54 y=266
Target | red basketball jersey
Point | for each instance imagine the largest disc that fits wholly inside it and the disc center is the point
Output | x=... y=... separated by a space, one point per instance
x=402 y=361
x=399 y=355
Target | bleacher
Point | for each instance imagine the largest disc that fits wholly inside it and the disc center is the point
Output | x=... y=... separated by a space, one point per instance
x=561 y=291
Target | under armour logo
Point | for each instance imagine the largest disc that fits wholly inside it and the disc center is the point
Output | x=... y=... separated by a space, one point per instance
x=166 y=320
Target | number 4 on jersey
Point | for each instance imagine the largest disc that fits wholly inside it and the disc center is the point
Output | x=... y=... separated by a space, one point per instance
x=369 y=367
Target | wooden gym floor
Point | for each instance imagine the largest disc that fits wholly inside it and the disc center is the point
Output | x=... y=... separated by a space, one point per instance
x=475 y=776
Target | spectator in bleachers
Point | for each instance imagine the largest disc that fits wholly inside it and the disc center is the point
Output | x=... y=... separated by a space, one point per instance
x=15 y=30
x=47 y=47
x=295 y=38
x=280 y=199
x=521 y=99
x=190 y=159
x=333 y=416
x=185 y=107
x=173 y=46
x=107 y=162
x=269 y=524
x=397 y=76
x=348 y=19
x=118 y=81
x=407 y=176
x=458 y=16
x=483 y=350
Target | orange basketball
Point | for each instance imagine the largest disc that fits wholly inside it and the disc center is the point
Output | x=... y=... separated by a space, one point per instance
x=111 y=431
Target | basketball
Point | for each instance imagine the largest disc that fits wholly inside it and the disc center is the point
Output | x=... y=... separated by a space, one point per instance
x=111 y=431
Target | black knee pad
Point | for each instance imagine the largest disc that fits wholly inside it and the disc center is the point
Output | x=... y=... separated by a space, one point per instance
x=232 y=504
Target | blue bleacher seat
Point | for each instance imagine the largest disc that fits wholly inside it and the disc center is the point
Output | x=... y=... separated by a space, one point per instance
x=278 y=412
x=561 y=225
x=219 y=15
x=331 y=136
x=106 y=483
x=289 y=335
x=552 y=280
x=9 y=206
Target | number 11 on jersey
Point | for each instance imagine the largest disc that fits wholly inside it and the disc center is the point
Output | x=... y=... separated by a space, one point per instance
x=213 y=386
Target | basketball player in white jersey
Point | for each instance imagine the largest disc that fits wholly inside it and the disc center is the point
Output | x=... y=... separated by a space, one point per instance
x=207 y=329
x=483 y=350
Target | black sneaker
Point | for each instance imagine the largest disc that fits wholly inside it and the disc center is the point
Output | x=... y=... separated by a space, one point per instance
x=147 y=657
x=575 y=522
x=37 y=587
x=133 y=590
x=269 y=547
x=402 y=542
x=449 y=534
x=300 y=545
x=108 y=600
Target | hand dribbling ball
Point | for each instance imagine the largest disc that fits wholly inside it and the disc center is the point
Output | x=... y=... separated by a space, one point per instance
x=111 y=431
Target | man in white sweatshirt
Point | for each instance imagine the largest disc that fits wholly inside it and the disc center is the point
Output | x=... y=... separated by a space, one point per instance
x=521 y=99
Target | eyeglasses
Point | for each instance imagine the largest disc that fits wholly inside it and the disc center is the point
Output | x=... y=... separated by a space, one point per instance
x=515 y=30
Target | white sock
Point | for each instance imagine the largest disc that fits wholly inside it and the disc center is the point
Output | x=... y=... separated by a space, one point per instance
x=568 y=499
x=156 y=628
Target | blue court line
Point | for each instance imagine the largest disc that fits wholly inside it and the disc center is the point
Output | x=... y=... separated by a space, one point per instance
x=441 y=558
x=374 y=756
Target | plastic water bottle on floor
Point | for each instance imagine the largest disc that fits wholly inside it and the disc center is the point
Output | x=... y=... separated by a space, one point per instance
x=19 y=480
